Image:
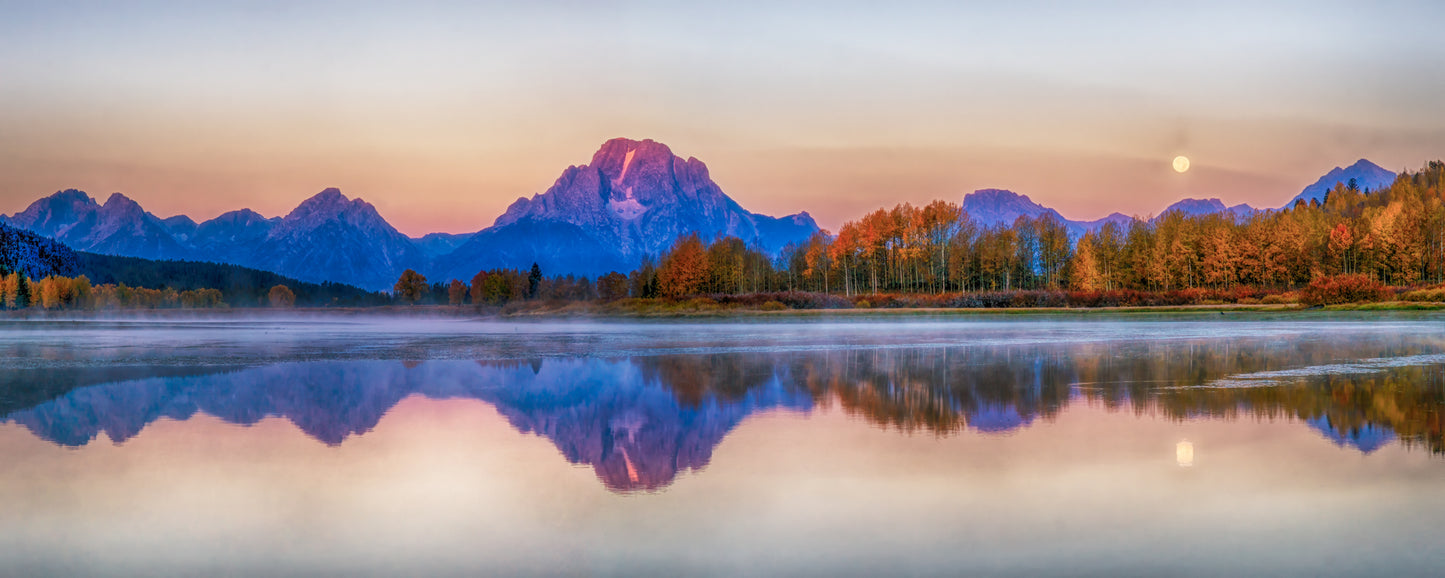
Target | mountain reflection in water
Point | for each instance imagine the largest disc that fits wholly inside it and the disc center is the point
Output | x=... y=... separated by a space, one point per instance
x=640 y=421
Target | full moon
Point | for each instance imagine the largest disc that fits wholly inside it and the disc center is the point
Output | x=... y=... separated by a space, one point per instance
x=1181 y=164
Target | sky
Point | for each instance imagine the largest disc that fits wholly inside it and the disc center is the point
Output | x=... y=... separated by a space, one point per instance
x=441 y=114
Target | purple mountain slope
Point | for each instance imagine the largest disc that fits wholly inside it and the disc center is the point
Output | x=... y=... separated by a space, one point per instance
x=119 y=227
x=181 y=227
x=1197 y=207
x=332 y=238
x=231 y=237
x=995 y=207
x=1368 y=176
x=437 y=244
x=632 y=201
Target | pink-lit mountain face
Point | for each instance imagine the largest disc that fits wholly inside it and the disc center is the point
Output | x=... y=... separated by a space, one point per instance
x=633 y=200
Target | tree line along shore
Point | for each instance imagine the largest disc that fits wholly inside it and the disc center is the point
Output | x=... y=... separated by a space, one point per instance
x=1355 y=247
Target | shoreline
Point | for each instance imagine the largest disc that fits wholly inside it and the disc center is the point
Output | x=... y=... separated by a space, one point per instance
x=594 y=311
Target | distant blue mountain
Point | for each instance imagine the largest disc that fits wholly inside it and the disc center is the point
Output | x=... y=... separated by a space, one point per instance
x=438 y=244
x=998 y=207
x=332 y=238
x=1368 y=176
x=1198 y=207
x=231 y=237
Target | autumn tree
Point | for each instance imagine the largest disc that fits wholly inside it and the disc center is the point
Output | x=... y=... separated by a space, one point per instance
x=9 y=288
x=456 y=292
x=1084 y=269
x=939 y=221
x=281 y=296
x=612 y=286
x=478 y=281
x=1054 y=251
x=410 y=287
x=684 y=267
x=498 y=288
x=1108 y=247
x=203 y=298
x=844 y=252
x=50 y=293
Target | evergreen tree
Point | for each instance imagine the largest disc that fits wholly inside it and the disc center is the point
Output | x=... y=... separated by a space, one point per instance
x=22 y=293
x=534 y=281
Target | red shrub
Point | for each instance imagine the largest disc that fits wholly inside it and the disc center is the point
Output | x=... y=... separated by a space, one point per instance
x=1342 y=289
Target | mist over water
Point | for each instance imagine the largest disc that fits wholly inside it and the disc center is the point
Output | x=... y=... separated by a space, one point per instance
x=814 y=446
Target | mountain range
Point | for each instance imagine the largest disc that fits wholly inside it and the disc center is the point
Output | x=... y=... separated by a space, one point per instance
x=629 y=203
x=995 y=207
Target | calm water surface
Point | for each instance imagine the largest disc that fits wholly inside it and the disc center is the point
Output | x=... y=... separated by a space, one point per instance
x=336 y=446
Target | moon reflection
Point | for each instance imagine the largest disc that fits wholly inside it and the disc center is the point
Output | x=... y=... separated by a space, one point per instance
x=1184 y=454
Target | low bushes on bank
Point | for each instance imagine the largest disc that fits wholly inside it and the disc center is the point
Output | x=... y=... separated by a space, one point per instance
x=1339 y=289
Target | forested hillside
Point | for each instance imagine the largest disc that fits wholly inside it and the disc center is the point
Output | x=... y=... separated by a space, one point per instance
x=32 y=255
x=37 y=258
x=242 y=287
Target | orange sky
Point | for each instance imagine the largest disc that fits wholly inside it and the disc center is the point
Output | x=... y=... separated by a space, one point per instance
x=443 y=116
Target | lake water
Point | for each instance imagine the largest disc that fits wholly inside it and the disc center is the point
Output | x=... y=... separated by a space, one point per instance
x=1293 y=446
